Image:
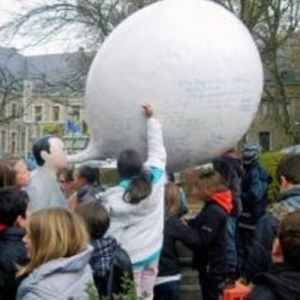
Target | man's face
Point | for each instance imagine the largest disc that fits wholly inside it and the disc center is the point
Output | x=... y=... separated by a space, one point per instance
x=58 y=154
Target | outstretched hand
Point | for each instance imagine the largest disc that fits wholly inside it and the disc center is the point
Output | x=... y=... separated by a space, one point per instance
x=148 y=110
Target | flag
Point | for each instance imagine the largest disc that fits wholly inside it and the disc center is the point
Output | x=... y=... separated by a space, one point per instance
x=72 y=127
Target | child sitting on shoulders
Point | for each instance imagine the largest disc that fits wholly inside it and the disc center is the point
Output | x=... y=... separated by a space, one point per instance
x=136 y=206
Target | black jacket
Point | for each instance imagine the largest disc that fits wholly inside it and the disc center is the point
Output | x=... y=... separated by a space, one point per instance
x=12 y=253
x=259 y=255
x=175 y=230
x=280 y=283
x=210 y=224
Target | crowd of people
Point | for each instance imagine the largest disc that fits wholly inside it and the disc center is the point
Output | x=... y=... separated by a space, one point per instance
x=64 y=236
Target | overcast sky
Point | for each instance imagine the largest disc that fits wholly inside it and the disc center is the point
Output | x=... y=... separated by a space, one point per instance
x=7 y=7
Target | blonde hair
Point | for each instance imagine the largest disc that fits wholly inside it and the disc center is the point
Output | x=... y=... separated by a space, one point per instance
x=172 y=199
x=54 y=233
x=211 y=182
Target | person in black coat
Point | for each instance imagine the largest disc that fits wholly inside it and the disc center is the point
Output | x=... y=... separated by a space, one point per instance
x=168 y=281
x=230 y=167
x=13 y=206
x=210 y=258
x=282 y=281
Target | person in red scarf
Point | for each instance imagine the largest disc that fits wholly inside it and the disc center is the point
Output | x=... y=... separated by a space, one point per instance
x=210 y=258
x=13 y=206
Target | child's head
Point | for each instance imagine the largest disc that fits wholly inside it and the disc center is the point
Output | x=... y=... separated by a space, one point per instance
x=53 y=233
x=172 y=199
x=96 y=218
x=224 y=169
x=13 y=172
x=13 y=206
x=209 y=183
x=129 y=164
x=86 y=175
x=287 y=246
x=250 y=154
x=130 y=167
x=288 y=172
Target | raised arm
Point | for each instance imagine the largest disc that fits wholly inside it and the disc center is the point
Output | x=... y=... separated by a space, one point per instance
x=156 y=150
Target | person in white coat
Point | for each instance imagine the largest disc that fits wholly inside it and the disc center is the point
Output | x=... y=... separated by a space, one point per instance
x=136 y=206
x=58 y=249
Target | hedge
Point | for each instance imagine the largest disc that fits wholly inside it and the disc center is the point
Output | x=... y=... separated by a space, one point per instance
x=269 y=161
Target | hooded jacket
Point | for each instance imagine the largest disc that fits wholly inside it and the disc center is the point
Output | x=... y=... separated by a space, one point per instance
x=210 y=224
x=259 y=259
x=280 y=283
x=63 y=278
x=138 y=228
x=12 y=253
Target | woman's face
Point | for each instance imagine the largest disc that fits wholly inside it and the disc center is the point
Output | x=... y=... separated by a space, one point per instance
x=28 y=243
x=22 y=174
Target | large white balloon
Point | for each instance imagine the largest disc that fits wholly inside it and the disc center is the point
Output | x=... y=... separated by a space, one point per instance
x=195 y=62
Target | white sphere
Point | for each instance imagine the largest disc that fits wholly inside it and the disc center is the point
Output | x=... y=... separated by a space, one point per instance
x=195 y=62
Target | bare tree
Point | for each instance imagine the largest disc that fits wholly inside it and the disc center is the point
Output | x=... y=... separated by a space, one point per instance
x=273 y=24
x=10 y=98
x=11 y=86
x=92 y=19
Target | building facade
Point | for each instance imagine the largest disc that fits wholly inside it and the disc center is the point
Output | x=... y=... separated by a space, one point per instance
x=48 y=100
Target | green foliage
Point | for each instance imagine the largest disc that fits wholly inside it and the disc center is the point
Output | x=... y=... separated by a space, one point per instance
x=91 y=291
x=269 y=161
x=56 y=129
x=109 y=177
x=127 y=285
x=129 y=288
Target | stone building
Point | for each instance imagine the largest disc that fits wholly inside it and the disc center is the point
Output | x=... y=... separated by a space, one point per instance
x=48 y=98
x=266 y=128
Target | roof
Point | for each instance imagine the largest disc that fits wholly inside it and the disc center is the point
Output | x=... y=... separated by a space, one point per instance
x=51 y=73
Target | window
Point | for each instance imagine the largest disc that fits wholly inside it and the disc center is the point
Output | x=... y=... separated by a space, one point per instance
x=13 y=143
x=75 y=113
x=3 y=141
x=23 y=141
x=265 y=140
x=38 y=113
x=55 y=113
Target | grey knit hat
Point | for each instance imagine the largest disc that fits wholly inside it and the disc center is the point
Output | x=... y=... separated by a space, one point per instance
x=251 y=154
